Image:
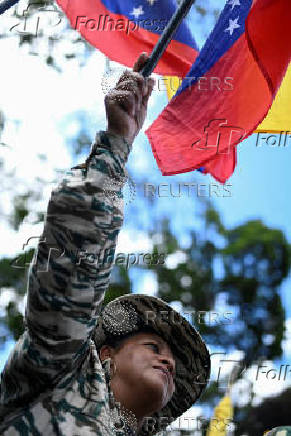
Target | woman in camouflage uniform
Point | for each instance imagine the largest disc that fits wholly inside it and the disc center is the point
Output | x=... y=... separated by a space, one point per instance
x=76 y=371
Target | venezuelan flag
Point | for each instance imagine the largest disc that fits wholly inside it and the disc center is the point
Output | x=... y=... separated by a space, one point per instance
x=228 y=91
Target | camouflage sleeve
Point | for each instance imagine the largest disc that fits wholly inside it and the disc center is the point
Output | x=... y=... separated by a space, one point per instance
x=70 y=272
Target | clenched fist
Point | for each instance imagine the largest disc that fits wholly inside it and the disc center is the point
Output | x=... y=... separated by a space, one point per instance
x=126 y=104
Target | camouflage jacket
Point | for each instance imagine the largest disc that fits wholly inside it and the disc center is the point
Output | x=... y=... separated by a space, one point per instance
x=53 y=382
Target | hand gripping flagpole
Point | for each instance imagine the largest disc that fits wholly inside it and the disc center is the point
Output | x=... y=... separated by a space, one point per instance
x=166 y=37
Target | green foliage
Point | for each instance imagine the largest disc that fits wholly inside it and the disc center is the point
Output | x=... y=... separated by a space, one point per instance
x=12 y=277
x=257 y=260
x=212 y=218
x=20 y=209
x=191 y=281
x=13 y=274
x=14 y=320
x=264 y=243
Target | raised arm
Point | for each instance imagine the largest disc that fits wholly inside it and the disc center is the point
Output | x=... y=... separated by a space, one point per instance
x=68 y=276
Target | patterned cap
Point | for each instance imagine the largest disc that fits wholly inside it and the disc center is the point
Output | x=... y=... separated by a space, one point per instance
x=132 y=313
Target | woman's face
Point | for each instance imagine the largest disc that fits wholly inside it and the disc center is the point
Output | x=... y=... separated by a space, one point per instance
x=144 y=372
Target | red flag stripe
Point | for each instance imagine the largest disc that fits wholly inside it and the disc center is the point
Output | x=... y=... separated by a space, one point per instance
x=125 y=46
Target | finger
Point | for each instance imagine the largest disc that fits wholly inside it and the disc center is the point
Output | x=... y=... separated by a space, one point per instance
x=131 y=86
x=141 y=61
x=124 y=76
x=128 y=85
x=150 y=84
x=124 y=99
x=132 y=76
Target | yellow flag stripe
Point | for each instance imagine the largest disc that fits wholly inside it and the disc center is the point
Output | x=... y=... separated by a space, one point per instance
x=278 y=119
x=172 y=84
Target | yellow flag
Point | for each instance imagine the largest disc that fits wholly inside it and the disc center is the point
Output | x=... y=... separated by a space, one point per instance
x=223 y=414
x=172 y=84
x=278 y=119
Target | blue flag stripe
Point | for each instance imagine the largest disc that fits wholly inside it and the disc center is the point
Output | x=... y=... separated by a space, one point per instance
x=151 y=15
x=228 y=29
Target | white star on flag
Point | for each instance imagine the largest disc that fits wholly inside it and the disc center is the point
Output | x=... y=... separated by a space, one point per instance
x=234 y=3
x=151 y=2
x=137 y=11
x=232 y=25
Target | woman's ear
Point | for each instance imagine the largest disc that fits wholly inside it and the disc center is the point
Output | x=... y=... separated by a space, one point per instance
x=105 y=352
x=106 y=356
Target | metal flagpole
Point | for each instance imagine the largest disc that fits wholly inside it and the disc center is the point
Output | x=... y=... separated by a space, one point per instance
x=6 y=4
x=166 y=36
